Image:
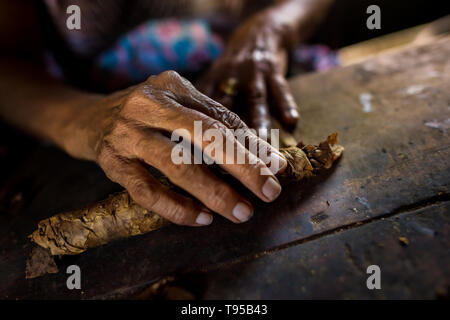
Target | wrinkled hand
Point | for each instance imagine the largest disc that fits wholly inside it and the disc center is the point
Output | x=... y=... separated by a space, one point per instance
x=250 y=75
x=129 y=130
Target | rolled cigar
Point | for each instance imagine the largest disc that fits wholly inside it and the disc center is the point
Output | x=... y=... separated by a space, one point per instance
x=116 y=217
x=119 y=216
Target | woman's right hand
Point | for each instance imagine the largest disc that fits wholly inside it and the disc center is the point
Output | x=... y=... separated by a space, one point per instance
x=128 y=130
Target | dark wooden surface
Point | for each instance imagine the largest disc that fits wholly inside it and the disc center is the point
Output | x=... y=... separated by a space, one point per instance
x=396 y=161
x=335 y=266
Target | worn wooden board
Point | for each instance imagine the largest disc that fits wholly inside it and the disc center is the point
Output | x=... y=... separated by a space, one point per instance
x=396 y=157
x=335 y=266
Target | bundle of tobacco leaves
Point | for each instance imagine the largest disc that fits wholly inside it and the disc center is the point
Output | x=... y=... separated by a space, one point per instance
x=305 y=160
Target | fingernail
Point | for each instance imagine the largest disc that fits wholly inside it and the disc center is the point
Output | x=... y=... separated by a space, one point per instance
x=277 y=163
x=204 y=219
x=242 y=212
x=293 y=113
x=271 y=189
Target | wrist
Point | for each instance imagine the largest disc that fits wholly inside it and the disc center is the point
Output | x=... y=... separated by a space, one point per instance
x=256 y=33
x=77 y=131
x=282 y=29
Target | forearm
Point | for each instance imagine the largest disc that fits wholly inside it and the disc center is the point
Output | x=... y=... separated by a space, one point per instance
x=32 y=100
x=297 y=19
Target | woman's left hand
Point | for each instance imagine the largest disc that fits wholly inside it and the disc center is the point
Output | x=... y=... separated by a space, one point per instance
x=250 y=74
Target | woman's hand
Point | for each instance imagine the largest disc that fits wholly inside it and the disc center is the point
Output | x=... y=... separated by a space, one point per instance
x=129 y=130
x=251 y=73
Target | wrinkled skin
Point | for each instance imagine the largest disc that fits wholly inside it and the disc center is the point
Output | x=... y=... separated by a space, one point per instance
x=126 y=132
x=255 y=56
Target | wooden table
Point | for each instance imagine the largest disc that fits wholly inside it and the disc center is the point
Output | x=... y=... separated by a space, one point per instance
x=386 y=202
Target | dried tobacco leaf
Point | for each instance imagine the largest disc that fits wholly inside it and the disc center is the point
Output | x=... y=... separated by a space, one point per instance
x=39 y=262
x=305 y=160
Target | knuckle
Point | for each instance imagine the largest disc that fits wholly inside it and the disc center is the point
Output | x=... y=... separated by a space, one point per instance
x=177 y=172
x=169 y=75
x=256 y=96
x=138 y=188
x=111 y=172
x=147 y=98
x=220 y=197
x=139 y=145
x=143 y=192
x=113 y=165
x=229 y=118
x=251 y=170
x=178 y=215
x=117 y=141
x=120 y=129
x=104 y=155
x=107 y=156
x=257 y=91
x=139 y=95
x=216 y=125
x=151 y=79
x=271 y=62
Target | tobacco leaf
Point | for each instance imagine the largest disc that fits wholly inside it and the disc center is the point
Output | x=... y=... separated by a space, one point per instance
x=306 y=160
x=39 y=262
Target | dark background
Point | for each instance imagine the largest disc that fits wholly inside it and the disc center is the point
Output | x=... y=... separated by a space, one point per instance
x=346 y=20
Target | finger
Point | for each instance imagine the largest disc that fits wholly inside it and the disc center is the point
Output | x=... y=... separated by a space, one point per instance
x=269 y=153
x=156 y=150
x=283 y=99
x=256 y=99
x=227 y=152
x=152 y=195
